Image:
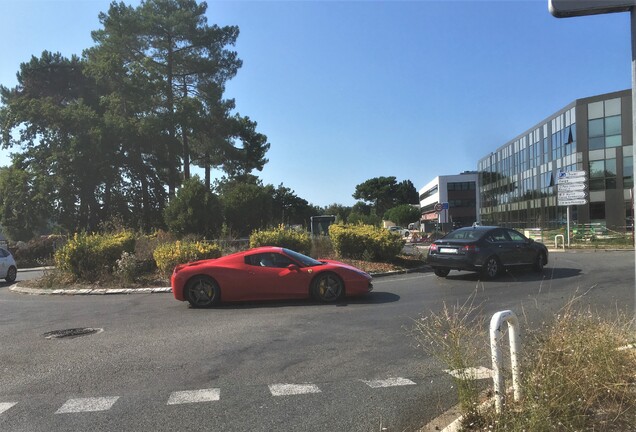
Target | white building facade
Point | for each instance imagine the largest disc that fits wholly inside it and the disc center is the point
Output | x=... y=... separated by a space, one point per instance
x=449 y=201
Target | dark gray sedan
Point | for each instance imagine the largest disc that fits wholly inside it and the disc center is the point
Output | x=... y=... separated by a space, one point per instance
x=485 y=249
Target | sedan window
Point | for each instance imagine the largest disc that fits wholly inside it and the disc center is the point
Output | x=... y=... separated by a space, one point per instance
x=463 y=235
x=498 y=236
x=515 y=236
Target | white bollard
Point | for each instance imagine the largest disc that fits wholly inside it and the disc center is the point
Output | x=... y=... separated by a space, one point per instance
x=496 y=335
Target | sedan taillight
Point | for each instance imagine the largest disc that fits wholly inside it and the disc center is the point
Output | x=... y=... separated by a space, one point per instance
x=471 y=248
x=432 y=248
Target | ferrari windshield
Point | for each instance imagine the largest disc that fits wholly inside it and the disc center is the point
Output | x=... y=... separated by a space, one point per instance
x=303 y=259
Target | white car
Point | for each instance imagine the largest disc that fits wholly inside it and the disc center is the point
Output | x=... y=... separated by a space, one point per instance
x=8 y=269
x=400 y=231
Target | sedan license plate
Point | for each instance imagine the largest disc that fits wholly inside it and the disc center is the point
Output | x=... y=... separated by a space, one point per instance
x=448 y=250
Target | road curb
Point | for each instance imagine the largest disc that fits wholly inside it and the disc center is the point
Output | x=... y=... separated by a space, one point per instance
x=399 y=272
x=153 y=290
x=89 y=291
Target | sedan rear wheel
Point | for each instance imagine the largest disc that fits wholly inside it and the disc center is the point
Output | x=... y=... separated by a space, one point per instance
x=441 y=272
x=327 y=288
x=11 y=274
x=492 y=267
x=202 y=292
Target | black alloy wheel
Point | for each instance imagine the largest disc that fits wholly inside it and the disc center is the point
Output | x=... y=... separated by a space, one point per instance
x=202 y=292
x=538 y=263
x=327 y=288
x=11 y=274
x=492 y=267
x=441 y=272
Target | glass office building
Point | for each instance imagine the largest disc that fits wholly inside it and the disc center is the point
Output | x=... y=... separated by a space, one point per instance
x=518 y=181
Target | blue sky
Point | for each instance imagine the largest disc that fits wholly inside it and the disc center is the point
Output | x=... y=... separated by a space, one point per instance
x=348 y=91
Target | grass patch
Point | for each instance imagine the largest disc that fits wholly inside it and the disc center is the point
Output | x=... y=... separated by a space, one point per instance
x=456 y=337
x=574 y=376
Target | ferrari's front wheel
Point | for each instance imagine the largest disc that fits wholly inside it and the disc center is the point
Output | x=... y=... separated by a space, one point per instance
x=327 y=288
x=202 y=292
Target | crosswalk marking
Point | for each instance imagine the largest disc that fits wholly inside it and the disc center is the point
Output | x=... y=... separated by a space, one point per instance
x=6 y=405
x=87 y=405
x=292 y=389
x=96 y=404
x=391 y=382
x=194 y=396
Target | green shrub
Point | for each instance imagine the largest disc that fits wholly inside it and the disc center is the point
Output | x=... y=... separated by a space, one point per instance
x=365 y=241
x=89 y=256
x=169 y=255
x=194 y=210
x=300 y=241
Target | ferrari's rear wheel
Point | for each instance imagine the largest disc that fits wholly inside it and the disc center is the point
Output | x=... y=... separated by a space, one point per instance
x=202 y=292
x=327 y=288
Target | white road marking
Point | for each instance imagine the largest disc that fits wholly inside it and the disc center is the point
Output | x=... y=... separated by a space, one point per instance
x=194 y=396
x=471 y=373
x=87 y=405
x=292 y=389
x=6 y=405
x=391 y=382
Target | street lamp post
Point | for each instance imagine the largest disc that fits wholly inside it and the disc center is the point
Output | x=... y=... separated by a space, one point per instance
x=573 y=8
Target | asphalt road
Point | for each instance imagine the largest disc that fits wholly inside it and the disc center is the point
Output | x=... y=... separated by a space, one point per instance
x=286 y=366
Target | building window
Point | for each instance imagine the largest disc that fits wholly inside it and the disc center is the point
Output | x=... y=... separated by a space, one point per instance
x=604 y=124
x=602 y=174
x=429 y=192
x=628 y=170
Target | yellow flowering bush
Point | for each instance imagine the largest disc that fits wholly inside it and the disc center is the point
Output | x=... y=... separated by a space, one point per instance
x=365 y=242
x=88 y=256
x=169 y=255
x=299 y=241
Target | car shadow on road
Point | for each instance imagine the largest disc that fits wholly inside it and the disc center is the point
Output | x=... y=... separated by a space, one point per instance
x=371 y=298
x=5 y=284
x=518 y=275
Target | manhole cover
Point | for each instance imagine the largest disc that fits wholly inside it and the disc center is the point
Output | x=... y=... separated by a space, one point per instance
x=71 y=333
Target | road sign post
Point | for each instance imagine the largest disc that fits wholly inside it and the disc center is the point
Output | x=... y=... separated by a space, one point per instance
x=570 y=8
x=572 y=190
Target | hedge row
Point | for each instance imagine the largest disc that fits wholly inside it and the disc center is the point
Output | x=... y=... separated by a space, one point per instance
x=89 y=256
x=169 y=255
x=365 y=242
x=299 y=241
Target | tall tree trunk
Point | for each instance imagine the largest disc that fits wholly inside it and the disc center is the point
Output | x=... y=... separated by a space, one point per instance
x=172 y=174
x=186 y=147
x=207 y=170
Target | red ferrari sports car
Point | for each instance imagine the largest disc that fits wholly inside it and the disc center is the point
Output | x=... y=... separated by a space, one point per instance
x=266 y=273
